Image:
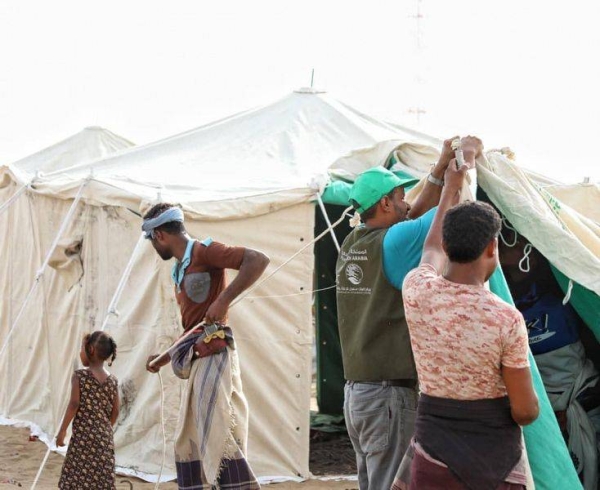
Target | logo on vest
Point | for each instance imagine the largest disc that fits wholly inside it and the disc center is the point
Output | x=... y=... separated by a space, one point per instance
x=354 y=274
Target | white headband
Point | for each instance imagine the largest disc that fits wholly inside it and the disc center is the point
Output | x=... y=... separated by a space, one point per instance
x=171 y=214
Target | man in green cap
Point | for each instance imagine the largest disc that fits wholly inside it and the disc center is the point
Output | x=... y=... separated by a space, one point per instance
x=380 y=396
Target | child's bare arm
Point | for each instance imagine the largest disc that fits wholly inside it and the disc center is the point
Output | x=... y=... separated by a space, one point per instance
x=71 y=411
x=115 y=409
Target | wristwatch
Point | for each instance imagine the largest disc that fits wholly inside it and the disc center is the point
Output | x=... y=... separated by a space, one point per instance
x=435 y=181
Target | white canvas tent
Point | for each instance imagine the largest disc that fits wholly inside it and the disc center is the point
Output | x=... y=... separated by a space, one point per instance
x=583 y=198
x=250 y=179
x=90 y=144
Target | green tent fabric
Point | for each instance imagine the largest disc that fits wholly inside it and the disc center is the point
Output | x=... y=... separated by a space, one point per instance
x=549 y=458
x=330 y=372
x=548 y=455
x=552 y=468
x=338 y=191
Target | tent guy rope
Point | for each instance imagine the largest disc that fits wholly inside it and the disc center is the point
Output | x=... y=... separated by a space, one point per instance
x=312 y=242
x=9 y=202
x=119 y=291
x=112 y=307
x=112 y=310
x=256 y=285
x=162 y=425
x=326 y=216
x=40 y=271
x=163 y=354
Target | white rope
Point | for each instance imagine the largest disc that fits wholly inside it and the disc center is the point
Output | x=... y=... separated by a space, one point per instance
x=164 y=434
x=257 y=284
x=112 y=307
x=119 y=291
x=181 y=339
x=112 y=310
x=40 y=271
x=13 y=198
x=506 y=225
x=569 y=291
x=39 y=473
x=64 y=408
x=292 y=294
x=177 y=342
x=524 y=262
x=316 y=239
x=324 y=211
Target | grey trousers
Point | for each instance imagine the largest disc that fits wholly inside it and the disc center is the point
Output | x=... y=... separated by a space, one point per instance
x=381 y=422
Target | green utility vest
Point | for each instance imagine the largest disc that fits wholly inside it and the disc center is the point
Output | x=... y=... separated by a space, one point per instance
x=373 y=331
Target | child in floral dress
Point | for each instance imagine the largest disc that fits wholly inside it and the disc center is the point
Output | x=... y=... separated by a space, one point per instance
x=94 y=404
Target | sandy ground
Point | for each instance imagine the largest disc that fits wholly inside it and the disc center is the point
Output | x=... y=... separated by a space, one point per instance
x=20 y=460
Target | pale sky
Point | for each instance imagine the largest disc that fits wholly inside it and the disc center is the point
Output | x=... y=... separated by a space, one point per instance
x=519 y=74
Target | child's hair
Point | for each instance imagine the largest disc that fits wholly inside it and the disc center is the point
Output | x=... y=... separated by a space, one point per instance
x=103 y=343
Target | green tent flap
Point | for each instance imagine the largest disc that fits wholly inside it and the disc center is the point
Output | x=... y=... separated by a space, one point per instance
x=330 y=372
x=585 y=302
x=548 y=455
x=338 y=191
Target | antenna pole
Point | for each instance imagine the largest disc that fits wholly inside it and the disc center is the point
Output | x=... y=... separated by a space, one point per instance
x=418 y=111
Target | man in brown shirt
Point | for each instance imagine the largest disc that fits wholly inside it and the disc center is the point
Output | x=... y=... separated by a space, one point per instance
x=202 y=458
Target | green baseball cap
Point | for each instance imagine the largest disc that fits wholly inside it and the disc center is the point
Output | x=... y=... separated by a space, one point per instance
x=372 y=185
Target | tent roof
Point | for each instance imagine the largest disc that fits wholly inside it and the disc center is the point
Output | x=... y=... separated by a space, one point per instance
x=281 y=146
x=92 y=143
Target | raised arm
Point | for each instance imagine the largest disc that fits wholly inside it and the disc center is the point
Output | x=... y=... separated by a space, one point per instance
x=253 y=265
x=430 y=195
x=70 y=412
x=433 y=253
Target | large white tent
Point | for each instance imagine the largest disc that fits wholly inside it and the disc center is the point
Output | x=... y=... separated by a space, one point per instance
x=74 y=262
x=250 y=179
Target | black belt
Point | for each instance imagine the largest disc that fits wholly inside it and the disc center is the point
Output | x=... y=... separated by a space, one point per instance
x=403 y=383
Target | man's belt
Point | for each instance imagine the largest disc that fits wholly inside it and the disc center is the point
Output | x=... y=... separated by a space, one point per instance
x=403 y=383
x=210 y=331
x=212 y=340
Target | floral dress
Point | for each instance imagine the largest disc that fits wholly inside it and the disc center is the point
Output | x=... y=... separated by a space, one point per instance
x=90 y=461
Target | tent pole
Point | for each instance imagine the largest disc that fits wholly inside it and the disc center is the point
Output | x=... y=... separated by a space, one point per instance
x=112 y=307
x=13 y=198
x=40 y=272
x=324 y=211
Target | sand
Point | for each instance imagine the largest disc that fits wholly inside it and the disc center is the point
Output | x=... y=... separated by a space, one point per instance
x=21 y=458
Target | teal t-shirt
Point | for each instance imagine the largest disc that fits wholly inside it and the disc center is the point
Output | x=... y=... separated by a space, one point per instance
x=403 y=246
